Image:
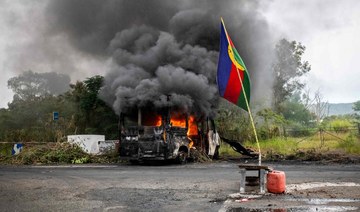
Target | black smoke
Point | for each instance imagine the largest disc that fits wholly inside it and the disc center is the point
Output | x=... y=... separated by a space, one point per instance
x=163 y=52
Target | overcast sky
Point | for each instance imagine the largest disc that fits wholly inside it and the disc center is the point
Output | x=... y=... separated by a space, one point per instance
x=329 y=29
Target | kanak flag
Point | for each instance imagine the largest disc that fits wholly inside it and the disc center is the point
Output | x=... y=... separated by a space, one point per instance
x=230 y=69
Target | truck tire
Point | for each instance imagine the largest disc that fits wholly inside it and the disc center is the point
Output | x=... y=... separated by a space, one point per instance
x=182 y=157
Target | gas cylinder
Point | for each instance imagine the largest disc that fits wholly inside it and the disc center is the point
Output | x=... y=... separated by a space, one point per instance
x=276 y=182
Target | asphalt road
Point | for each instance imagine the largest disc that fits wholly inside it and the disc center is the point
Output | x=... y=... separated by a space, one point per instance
x=191 y=187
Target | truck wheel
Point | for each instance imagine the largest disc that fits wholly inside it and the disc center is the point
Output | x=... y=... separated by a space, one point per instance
x=182 y=157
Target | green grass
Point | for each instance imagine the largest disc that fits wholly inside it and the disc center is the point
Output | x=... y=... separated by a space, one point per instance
x=227 y=151
x=302 y=148
x=351 y=145
x=5 y=149
x=276 y=145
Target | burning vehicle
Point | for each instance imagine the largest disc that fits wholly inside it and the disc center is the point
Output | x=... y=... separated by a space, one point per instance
x=165 y=134
x=164 y=90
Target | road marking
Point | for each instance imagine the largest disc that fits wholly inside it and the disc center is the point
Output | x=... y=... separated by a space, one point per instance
x=114 y=208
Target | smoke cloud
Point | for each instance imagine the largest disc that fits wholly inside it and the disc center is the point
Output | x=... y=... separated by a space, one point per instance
x=152 y=67
x=29 y=84
x=164 y=53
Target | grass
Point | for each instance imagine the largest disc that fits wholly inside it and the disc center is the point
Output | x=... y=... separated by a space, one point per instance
x=304 y=148
x=226 y=150
x=351 y=145
x=5 y=149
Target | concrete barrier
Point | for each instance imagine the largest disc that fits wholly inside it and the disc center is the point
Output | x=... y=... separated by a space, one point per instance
x=89 y=143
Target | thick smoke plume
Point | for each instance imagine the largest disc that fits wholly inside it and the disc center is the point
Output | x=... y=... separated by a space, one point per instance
x=152 y=67
x=164 y=53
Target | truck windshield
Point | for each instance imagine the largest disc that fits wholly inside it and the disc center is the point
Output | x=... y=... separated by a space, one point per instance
x=150 y=118
x=178 y=120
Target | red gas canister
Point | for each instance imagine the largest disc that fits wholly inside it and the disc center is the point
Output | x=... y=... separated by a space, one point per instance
x=276 y=182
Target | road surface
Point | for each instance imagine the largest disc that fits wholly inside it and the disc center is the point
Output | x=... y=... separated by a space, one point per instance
x=190 y=187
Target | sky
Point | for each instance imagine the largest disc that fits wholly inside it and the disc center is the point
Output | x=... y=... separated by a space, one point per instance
x=329 y=29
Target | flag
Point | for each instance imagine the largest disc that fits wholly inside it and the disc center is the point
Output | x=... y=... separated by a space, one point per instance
x=230 y=68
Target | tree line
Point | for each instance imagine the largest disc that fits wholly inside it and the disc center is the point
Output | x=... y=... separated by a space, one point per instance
x=29 y=117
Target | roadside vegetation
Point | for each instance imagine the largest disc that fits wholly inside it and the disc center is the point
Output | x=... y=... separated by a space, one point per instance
x=293 y=125
x=57 y=153
x=332 y=143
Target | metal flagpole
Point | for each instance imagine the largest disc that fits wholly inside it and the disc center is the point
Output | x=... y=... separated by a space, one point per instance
x=246 y=100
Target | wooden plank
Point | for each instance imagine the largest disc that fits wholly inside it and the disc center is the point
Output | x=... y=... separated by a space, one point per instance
x=254 y=167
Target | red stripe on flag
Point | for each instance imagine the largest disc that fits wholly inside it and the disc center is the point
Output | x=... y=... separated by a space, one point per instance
x=231 y=43
x=233 y=88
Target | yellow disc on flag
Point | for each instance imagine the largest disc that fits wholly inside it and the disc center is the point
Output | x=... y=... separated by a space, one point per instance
x=232 y=58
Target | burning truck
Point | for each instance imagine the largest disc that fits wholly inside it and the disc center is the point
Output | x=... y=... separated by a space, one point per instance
x=164 y=90
x=165 y=134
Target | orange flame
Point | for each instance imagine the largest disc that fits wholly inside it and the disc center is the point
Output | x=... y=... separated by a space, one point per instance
x=178 y=122
x=158 y=121
x=191 y=144
x=181 y=122
x=193 y=129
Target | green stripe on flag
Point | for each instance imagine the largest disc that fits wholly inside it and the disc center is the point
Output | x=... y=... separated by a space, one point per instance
x=246 y=82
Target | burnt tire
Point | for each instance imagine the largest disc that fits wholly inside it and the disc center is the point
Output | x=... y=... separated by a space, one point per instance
x=182 y=157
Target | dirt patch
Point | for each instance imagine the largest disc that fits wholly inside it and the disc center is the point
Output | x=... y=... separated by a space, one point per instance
x=336 y=198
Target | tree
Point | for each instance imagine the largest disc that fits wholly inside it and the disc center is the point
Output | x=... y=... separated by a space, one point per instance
x=81 y=111
x=356 y=106
x=90 y=99
x=232 y=122
x=321 y=108
x=92 y=114
x=295 y=111
x=288 y=68
x=31 y=85
x=272 y=123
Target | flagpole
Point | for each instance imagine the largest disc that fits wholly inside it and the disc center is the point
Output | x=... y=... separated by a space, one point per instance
x=246 y=100
x=250 y=115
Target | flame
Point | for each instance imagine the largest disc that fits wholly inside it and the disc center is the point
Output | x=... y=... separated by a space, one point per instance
x=158 y=121
x=193 y=129
x=181 y=122
x=191 y=144
x=178 y=122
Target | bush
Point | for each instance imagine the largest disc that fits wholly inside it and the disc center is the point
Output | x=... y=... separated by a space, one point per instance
x=268 y=132
x=298 y=130
x=340 y=125
x=50 y=153
x=5 y=149
x=351 y=145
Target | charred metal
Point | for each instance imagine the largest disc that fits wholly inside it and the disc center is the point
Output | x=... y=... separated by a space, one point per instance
x=165 y=134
